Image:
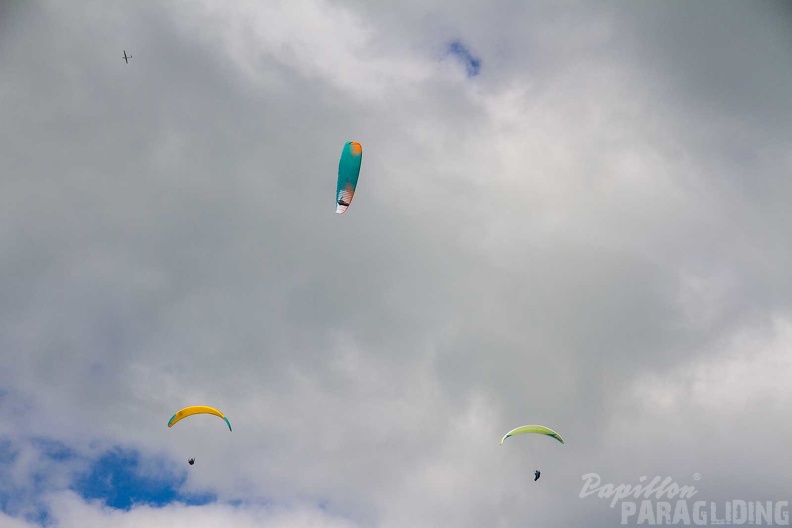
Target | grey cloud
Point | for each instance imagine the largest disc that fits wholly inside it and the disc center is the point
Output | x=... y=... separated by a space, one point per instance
x=168 y=236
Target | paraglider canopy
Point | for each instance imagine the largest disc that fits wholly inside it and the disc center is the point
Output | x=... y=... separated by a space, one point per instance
x=536 y=429
x=348 y=172
x=196 y=409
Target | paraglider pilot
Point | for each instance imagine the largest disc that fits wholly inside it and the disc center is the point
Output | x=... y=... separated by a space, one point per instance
x=536 y=474
x=191 y=461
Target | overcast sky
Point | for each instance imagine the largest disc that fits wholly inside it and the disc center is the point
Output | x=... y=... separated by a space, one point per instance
x=571 y=214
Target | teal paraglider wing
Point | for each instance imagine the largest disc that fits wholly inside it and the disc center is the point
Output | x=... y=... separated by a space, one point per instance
x=348 y=172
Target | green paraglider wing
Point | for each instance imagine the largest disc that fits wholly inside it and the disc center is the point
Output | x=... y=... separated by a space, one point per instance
x=348 y=172
x=536 y=429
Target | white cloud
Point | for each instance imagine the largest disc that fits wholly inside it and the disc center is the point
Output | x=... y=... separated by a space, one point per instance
x=748 y=372
x=322 y=41
x=70 y=511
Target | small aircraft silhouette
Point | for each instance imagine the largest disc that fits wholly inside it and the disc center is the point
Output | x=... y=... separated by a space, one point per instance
x=127 y=57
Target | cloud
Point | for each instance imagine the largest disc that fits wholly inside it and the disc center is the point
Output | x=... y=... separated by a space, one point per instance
x=746 y=374
x=68 y=510
x=591 y=222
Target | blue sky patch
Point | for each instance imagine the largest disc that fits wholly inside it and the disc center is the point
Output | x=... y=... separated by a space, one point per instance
x=460 y=51
x=120 y=478
x=54 y=450
x=115 y=478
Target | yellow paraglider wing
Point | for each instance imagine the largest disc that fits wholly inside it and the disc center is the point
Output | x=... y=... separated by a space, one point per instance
x=536 y=429
x=197 y=409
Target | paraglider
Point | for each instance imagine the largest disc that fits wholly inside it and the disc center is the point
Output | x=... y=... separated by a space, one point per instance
x=535 y=429
x=348 y=172
x=193 y=410
x=197 y=409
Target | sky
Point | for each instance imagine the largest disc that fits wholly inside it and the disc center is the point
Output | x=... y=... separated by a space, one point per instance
x=573 y=214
